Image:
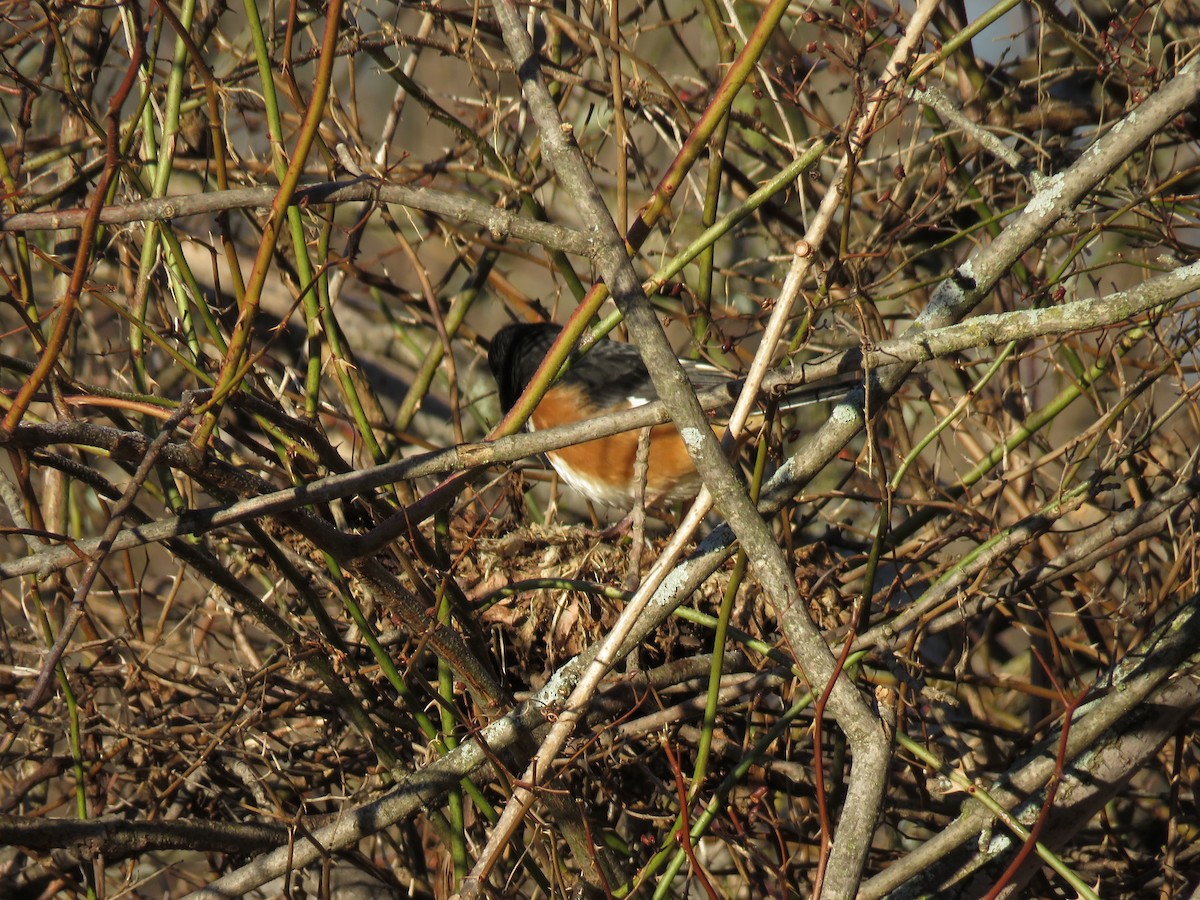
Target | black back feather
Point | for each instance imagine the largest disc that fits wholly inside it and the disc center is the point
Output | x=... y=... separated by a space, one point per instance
x=609 y=374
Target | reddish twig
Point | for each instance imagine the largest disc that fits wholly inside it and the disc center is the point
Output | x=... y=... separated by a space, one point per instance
x=87 y=243
x=684 y=835
x=1060 y=761
x=818 y=770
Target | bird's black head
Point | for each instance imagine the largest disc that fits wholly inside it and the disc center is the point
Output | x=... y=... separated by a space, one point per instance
x=514 y=356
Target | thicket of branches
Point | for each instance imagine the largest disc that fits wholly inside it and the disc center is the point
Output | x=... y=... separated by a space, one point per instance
x=283 y=608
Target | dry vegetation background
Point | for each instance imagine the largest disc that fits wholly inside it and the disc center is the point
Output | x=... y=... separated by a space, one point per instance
x=258 y=635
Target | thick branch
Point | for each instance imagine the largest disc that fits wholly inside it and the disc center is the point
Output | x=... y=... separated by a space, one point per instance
x=499 y=222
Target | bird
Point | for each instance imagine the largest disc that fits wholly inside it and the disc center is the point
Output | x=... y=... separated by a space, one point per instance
x=610 y=377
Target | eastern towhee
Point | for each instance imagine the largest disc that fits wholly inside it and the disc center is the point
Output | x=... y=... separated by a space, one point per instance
x=608 y=378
